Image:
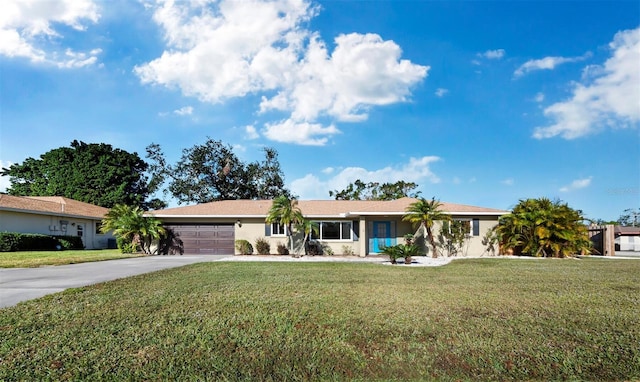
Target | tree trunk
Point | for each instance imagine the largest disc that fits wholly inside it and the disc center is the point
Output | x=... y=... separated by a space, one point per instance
x=433 y=243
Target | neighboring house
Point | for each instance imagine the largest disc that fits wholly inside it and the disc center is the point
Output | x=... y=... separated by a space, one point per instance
x=54 y=215
x=627 y=238
x=365 y=227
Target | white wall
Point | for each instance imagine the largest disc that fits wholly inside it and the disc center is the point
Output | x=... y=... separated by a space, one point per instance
x=21 y=222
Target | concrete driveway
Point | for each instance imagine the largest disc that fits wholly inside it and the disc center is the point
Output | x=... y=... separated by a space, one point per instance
x=22 y=284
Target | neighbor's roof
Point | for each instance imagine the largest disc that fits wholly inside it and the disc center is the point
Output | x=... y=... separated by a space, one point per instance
x=315 y=208
x=51 y=205
x=626 y=231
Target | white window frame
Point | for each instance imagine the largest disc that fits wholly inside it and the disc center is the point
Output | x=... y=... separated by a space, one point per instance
x=320 y=229
x=280 y=227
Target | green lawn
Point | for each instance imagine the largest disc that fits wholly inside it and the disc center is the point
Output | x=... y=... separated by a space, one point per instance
x=470 y=320
x=30 y=259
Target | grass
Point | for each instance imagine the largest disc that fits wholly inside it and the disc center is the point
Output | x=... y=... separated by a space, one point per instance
x=30 y=259
x=471 y=320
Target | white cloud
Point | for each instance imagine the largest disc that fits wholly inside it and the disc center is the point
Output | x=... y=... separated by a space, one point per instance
x=27 y=28
x=539 y=97
x=328 y=170
x=610 y=99
x=507 y=182
x=186 y=110
x=4 y=180
x=441 y=92
x=546 y=63
x=416 y=170
x=303 y=133
x=493 y=54
x=251 y=132
x=577 y=184
x=218 y=51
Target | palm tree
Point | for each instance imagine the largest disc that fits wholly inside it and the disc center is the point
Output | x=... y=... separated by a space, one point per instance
x=285 y=212
x=425 y=213
x=132 y=228
x=308 y=227
x=541 y=227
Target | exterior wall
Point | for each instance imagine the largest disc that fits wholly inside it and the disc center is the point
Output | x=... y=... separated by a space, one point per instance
x=251 y=229
x=628 y=243
x=21 y=222
x=473 y=247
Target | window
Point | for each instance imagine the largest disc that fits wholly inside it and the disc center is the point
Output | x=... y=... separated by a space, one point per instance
x=470 y=226
x=80 y=230
x=98 y=226
x=278 y=229
x=333 y=231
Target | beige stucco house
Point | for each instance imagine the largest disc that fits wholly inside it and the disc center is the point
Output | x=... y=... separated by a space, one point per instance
x=361 y=227
x=54 y=215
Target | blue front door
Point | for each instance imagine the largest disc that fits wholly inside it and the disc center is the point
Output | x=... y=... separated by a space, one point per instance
x=381 y=236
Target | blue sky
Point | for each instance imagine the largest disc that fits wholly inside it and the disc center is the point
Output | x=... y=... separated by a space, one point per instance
x=478 y=102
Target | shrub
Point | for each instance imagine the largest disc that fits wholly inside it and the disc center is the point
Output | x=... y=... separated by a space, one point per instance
x=70 y=242
x=347 y=250
x=15 y=241
x=244 y=247
x=262 y=246
x=282 y=249
x=315 y=248
x=125 y=246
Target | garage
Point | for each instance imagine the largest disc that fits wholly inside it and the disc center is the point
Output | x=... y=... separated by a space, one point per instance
x=206 y=239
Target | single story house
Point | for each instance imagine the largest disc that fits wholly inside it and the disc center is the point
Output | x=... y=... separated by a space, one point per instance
x=627 y=238
x=359 y=227
x=54 y=215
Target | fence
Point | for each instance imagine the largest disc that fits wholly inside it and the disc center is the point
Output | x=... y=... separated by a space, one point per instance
x=602 y=237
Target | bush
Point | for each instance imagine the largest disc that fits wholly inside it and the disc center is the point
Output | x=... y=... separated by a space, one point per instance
x=347 y=250
x=70 y=242
x=315 y=248
x=262 y=246
x=15 y=241
x=125 y=246
x=282 y=249
x=244 y=247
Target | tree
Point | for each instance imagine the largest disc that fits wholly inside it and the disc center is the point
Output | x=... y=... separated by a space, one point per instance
x=629 y=218
x=425 y=213
x=285 y=211
x=359 y=190
x=541 y=227
x=212 y=171
x=308 y=227
x=91 y=173
x=132 y=229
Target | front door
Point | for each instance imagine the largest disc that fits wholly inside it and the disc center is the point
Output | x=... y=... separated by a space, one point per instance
x=381 y=236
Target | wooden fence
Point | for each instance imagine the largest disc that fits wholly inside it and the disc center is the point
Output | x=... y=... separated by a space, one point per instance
x=602 y=237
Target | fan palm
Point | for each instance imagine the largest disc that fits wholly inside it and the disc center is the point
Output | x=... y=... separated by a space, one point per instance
x=424 y=213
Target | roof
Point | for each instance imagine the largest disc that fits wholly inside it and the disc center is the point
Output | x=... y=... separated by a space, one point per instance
x=51 y=205
x=315 y=208
x=626 y=231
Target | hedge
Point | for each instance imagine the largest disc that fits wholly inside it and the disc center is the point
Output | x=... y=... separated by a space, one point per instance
x=15 y=241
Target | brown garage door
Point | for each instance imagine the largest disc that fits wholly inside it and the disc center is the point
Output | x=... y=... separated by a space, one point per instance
x=206 y=239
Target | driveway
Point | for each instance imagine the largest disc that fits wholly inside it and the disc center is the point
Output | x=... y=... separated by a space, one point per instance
x=22 y=284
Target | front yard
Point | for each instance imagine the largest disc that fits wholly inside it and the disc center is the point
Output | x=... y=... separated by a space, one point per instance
x=30 y=259
x=482 y=319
